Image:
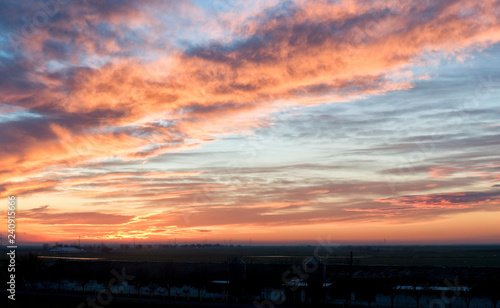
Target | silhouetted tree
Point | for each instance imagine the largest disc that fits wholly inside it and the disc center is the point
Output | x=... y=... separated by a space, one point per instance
x=29 y=267
x=200 y=279
x=366 y=290
x=389 y=287
x=466 y=296
x=153 y=287
x=494 y=299
x=47 y=282
x=167 y=278
x=418 y=288
x=141 y=279
x=82 y=277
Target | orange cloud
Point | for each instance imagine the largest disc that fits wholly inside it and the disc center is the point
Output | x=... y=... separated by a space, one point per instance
x=316 y=52
x=108 y=83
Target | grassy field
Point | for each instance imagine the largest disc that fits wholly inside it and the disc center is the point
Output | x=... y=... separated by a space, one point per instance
x=466 y=255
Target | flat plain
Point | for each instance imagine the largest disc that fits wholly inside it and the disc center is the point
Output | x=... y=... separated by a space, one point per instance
x=456 y=255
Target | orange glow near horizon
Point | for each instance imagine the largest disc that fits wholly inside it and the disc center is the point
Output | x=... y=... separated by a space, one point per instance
x=268 y=120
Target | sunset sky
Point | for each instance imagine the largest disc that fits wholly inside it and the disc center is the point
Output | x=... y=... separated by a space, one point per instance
x=299 y=121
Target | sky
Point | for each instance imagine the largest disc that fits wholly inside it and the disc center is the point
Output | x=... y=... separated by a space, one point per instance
x=267 y=121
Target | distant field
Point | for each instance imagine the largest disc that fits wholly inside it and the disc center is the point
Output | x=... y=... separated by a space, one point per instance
x=383 y=255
